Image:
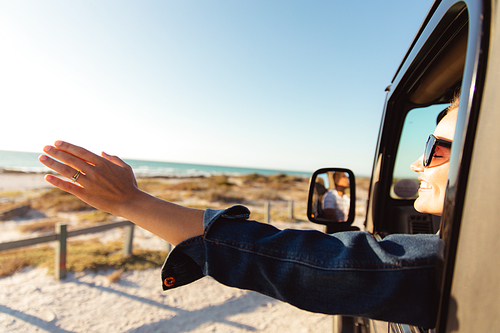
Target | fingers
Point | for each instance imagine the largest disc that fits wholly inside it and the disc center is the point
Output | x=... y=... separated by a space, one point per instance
x=68 y=159
x=73 y=159
x=79 y=159
x=64 y=185
x=60 y=168
x=78 y=152
x=74 y=156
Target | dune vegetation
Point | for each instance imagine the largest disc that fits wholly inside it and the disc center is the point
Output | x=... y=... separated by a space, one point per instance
x=37 y=213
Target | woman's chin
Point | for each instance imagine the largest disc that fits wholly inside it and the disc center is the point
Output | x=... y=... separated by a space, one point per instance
x=422 y=206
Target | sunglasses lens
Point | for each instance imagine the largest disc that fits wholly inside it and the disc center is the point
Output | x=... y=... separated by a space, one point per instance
x=429 y=150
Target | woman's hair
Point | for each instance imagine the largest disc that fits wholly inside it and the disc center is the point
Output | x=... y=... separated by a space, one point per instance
x=454 y=104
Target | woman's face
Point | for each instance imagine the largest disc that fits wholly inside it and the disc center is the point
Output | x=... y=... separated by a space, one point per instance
x=433 y=178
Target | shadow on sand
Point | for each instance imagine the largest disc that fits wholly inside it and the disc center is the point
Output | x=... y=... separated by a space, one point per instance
x=187 y=320
x=35 y=321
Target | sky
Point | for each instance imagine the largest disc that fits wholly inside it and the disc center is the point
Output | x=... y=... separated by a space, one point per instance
x=288 y=85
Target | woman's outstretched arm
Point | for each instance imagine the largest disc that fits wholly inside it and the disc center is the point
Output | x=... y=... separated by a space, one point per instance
x=107 y=183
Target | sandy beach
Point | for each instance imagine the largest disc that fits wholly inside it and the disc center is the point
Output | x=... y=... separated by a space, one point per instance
x=33 y=301
x=22 y=181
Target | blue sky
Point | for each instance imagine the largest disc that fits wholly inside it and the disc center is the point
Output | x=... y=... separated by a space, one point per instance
x=291 y=85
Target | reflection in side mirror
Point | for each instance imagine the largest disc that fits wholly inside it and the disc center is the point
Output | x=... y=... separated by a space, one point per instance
x=332 y=199
x=405 y=189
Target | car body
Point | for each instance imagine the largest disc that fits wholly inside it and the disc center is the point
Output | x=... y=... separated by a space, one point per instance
x=457 y=49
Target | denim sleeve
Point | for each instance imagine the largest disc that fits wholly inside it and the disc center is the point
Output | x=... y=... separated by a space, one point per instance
x=347 y=273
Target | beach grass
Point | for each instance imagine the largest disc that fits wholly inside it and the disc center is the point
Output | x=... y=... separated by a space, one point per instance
x=56 y=200
x=95 y=216
x=44 y=225
x=218 y=192
x=10 y=193
x=88 y=255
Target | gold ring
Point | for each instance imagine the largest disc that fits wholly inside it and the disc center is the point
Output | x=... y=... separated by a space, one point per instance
x=75 y=177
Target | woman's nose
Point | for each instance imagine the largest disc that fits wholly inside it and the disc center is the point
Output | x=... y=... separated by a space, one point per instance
x=417 y=166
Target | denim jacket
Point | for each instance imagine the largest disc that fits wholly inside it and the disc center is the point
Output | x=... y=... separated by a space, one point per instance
x=347 y=273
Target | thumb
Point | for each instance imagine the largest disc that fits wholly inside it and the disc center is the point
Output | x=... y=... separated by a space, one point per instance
x=114 y=159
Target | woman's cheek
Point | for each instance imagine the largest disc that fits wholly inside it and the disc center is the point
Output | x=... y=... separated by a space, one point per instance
x=434 y=200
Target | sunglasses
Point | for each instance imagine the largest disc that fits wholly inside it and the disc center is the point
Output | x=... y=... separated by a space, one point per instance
x=430 y=149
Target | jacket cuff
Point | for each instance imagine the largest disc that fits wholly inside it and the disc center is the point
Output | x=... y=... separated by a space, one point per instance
x=186 y=262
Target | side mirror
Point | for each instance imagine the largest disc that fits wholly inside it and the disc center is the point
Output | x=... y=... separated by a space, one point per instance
x=332 y=199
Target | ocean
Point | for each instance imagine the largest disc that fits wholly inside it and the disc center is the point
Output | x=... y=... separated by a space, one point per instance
x=28 y=162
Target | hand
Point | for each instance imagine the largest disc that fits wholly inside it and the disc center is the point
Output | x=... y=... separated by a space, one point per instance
x=105 y=182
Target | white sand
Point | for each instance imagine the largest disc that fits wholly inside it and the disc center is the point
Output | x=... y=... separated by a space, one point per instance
x=32 y=301
x=14 y=181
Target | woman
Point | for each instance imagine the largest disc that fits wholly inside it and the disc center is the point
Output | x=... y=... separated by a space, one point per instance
x=347 y=273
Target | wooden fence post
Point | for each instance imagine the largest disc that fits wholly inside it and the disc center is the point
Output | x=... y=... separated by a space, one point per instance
x=60 y=268
x=267 y=211
x=290 y=210
x=129 y=239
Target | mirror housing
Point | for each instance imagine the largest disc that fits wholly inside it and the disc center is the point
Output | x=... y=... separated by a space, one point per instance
x=322 y=184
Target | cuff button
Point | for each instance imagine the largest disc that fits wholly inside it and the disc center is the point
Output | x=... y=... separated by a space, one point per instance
x=169 y=282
